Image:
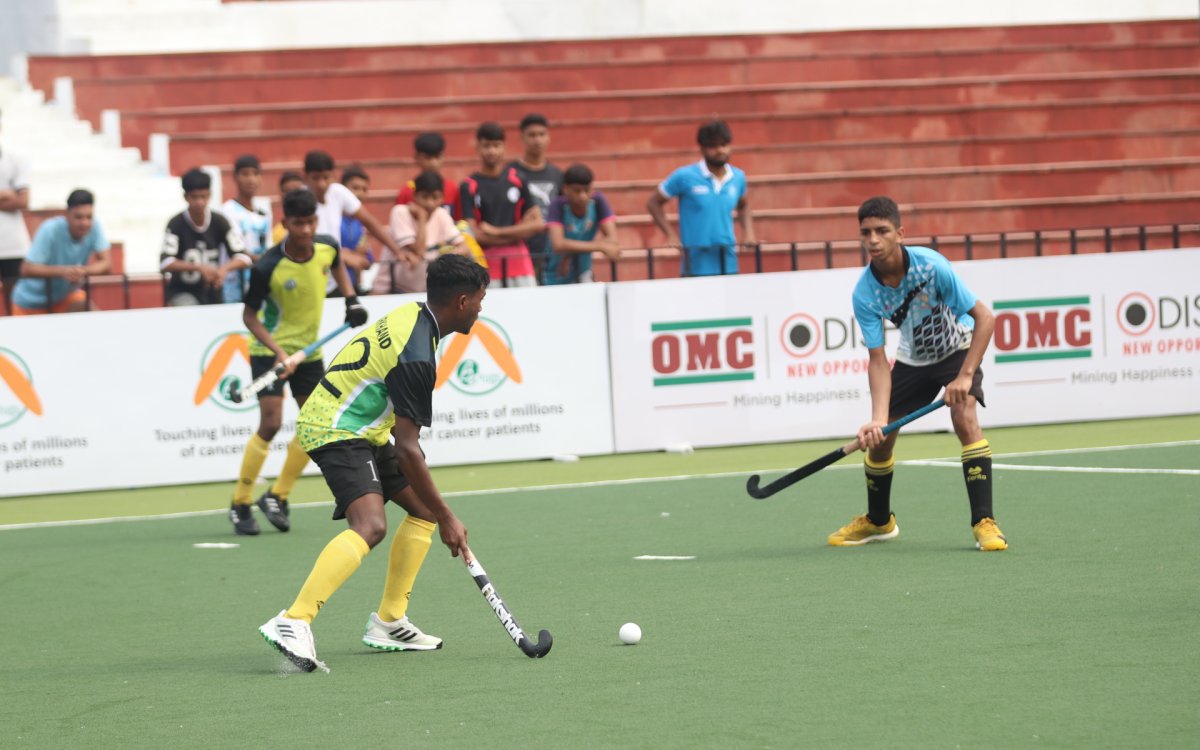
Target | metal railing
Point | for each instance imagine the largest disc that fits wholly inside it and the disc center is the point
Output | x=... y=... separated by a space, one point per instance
x=764 y=257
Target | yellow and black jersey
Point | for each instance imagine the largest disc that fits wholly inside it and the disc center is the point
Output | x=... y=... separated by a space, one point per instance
x=290 y=296
x=388 y=370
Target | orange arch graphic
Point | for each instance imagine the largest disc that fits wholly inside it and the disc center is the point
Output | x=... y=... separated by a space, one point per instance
x=491 y=341
x=20 y=385
x=233 y=344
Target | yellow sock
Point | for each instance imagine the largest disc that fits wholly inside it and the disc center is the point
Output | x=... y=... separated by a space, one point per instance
x=252 y=461
x=295 y=462
x=337 y=562
x=409 y=546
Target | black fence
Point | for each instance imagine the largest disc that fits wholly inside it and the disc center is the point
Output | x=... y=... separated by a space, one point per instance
x=125 y=291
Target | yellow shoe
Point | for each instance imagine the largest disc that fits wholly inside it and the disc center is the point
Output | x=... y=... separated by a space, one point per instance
x=860 y=530
x=988 y=537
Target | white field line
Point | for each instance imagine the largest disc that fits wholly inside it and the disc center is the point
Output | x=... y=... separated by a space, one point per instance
x=938 y=462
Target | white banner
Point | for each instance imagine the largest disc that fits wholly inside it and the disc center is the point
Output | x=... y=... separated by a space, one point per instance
x=136 y=398
x=779 y=357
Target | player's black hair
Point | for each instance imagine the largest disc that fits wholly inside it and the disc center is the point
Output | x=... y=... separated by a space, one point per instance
x=246 y=161
x=196 y=179
x=318 y=161
x=451 y=275
x=299 y=203
x=287 y=177
x=352 y=171
x=714 y=133
x=534 y=118
x=880 y=207
x=80 y=198
x=489 y=131
x=429 y=144
x=429 y=182
x=578 y=174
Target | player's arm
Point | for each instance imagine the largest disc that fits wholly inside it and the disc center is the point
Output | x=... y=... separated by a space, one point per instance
x=879 y=377
x=745 y=219
x=377 y=231
x=656 y=207
x=530 y=224
x=14 y=200
x=411 y=461
x=985 y=322
x=260 y=332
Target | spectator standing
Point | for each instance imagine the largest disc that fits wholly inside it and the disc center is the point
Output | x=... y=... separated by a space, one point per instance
x=545 y=181
x=66 y=249
x=288 y=181
x=424 y=226
x=200 y=248
x=499 y=210
x=14 y=235
x=580 y=222
x=356 y=251
x=335 y=201
x=709 y=192
x=430 y=149
x=250 y=213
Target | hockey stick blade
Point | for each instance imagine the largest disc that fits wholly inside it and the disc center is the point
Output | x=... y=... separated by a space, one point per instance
x=505 y=616
x=787 y=480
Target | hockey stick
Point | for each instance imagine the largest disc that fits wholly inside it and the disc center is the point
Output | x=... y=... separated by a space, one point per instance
x=268 y=379
x=787 y=480
x=531 y=649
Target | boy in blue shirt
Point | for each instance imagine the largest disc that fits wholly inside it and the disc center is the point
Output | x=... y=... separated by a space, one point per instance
x=709 y=192
x=578 y=223
x=65 y=250
x=944 y=331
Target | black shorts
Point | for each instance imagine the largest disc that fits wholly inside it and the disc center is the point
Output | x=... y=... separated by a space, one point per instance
x=10 y=268
x=914 y=387
x=353 y=468
x=303 y=380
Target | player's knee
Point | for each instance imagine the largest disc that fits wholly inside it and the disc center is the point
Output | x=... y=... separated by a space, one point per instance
x=268 y=427
x=372 y=530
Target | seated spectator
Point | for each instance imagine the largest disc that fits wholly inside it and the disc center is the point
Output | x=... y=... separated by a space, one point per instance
x=14 y=236
x=356 y=251
x=430 y=149
x=200 y=248
x=421 y=226
x=251 y=214
x=574 y=221
x=288 y=181
x=66 y=249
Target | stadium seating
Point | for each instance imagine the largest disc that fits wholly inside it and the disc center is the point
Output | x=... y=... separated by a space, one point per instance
x=977 y=131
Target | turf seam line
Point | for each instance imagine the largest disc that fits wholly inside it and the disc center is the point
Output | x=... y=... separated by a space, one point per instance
x=938 y=462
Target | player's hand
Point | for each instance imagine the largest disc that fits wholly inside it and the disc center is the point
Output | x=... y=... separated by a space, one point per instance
x=454 y=535
x=212 y=275
x=958 y=390
x=286 y=365
x=356 y=314
x=870 y=435
x=418 y=212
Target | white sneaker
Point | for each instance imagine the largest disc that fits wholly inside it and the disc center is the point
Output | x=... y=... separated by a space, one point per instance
x=293 y=639
x=400 y=635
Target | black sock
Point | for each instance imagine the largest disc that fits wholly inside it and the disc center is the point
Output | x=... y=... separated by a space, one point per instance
x=879 y=490
x=977 y=472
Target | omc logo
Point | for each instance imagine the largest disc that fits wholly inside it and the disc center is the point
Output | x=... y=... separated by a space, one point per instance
x=17 y=395
x=479 y=362
x=225 y=366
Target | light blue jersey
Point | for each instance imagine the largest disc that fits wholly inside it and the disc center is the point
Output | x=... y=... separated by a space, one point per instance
x=706 y=207
x=929 y=307
x=53 y=245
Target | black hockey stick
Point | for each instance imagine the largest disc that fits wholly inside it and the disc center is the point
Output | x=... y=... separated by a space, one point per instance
x=504 y=614
x=807 y=470
x=268 y=379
